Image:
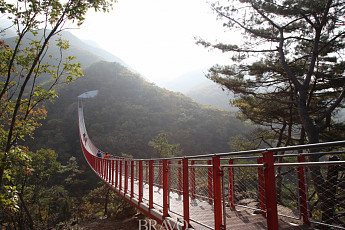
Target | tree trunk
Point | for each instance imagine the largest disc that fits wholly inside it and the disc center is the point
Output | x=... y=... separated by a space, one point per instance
x=324 y=187
x=27 y=212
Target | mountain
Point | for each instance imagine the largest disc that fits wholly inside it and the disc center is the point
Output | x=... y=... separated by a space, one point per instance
x=186 y=81
x=128 y=112
x=6 y=31
x=83 y=51
x=92 y=47
x=209 y=93
x=202 y=90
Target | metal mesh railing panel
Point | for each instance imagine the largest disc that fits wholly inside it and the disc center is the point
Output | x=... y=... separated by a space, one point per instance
x=326 y=195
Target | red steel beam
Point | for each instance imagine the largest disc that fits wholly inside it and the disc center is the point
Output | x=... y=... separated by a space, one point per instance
x=180 y=178
x=217 y=188
x=116 y=172
x=165 y=188
x=209 y=182
x=120 y=174
x=126 y=176
x=271 y=193
x=261 y=186
x=132 y=178
x=185 y=193
x=192 y=179
x=151 y=184
x=140 y=185
x=231 y=185
x=303 y=192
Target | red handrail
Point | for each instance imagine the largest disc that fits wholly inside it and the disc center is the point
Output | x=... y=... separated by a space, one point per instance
x=205 y=181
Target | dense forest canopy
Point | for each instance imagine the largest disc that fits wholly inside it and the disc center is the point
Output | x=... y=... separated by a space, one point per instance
x=28 y=76
x=128 y=112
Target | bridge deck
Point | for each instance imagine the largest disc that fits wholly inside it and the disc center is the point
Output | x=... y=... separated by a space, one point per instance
x=201 y=211
x=216 y=175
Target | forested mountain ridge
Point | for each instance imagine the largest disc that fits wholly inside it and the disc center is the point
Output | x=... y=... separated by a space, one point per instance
x=128 y=112
x=209 y=93
x=195 y=85
x=83 y=51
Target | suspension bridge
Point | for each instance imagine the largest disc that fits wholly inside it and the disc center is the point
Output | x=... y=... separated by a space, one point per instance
x=260 y=189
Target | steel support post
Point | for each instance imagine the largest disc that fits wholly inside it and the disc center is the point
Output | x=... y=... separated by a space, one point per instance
x=271 y=193
x=116 y=172
x=102 y=168
x=140 y=185
x=126 y=176
x=185 y=193
x=209 y=182
x=95 y=167
x=151 y=184
x=261 y=186
x=192 y=179
x=231 y=185
x=217 y=188
x=147 y=172
x=107 y=170
x=303 y=192
x=132 y=179
x=165 y=188
x=112 y=171
x=99 y=166
x=180 y=178
x=160 y=176
x=120 y=174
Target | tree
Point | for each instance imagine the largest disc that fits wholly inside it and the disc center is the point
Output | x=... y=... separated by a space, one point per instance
x=290 y=47
x=280 y=121
x=29 y=73
x=291 y=55
x=30 y=181
x=162 y=148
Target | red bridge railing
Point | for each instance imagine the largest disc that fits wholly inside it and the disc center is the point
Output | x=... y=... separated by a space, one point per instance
x=277 y=188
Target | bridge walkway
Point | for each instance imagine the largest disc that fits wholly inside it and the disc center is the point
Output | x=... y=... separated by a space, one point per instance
x=236 y=190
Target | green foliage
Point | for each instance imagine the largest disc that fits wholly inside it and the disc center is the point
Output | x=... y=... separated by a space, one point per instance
x=162 y=148
x=129 y=112
x=52 y=193
x=104 y=202
x=28 y=75
x=239 y=143
x=286 y=72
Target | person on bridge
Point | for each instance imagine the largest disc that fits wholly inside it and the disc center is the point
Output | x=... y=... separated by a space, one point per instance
x=106 y=156
x=99 y=154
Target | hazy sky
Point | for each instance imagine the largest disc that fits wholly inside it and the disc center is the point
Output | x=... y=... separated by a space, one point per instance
x=156 y=37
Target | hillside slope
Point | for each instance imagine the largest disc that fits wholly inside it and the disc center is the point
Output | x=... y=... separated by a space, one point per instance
x=128 y=112
x=209 y=93
x=202 y=90
x=83 y=51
